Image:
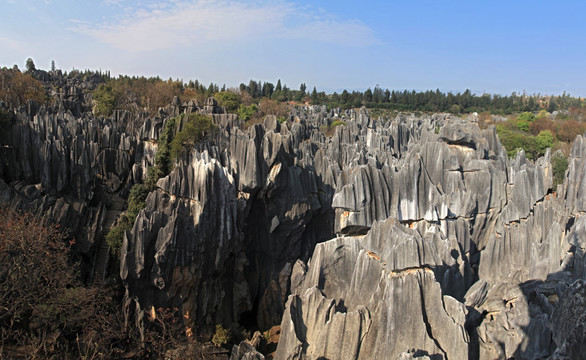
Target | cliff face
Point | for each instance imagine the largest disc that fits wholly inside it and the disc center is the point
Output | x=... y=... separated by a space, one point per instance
x=393 y=238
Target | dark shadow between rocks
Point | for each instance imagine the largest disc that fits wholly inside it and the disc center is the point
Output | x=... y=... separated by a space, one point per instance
x=473 y=320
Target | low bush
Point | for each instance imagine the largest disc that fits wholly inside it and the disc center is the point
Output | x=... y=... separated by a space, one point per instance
x=559 y=165
x=45 y=311
x=136 y=199
x=115 y=236
x=526 y=117
x=221 y=336
x=329 y=130
x=229 y=100
x=247 y=112
x=196 y=129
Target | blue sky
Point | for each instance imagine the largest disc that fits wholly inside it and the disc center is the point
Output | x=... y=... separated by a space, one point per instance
x=495 y=47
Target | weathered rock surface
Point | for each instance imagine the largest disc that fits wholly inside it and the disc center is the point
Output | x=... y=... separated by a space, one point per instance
x=245 y=351
x=370 y=287
x=568 y=323
x=446 y=248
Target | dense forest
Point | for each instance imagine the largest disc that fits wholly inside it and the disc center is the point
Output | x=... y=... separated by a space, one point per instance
x=124 y=92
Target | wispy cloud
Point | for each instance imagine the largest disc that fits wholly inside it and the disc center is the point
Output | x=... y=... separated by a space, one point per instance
x=11 y=44
x=191 y=24
x=111 y=2
x=351 y=33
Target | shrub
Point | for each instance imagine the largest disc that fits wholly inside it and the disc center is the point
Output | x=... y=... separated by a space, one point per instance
x=221 y=336
x=540 y=124
x=526 y=116
x=559 y=165
x=44 y=309
x=16 y=88
x=513 y=140
x=523 y=125
x=246 y=112
x=329 y=130
x=106 y=99
x=337 y=123
x=229 y=100
x=115 y=236
x=197 y=128
x=569 y=129
x=544 y=140
x=136 y=199
x=542 y=114
x=273 y=107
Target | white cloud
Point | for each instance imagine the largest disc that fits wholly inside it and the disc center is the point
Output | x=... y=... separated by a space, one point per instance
x=192 y=24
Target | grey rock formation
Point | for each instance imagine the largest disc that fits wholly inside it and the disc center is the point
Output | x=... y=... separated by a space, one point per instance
x=446 y=248
x=568 y=323
x=245 y=351
x=369 y=287
x=186 y=243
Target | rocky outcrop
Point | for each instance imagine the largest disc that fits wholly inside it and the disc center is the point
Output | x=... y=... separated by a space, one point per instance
x=186 y=243
x=369 y=286
x=404 y=237
x=568 y=323
x=496 y=229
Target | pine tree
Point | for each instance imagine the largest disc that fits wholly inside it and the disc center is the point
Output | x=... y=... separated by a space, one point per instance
x=30 y=65
x=314 y=95
x=302 y=88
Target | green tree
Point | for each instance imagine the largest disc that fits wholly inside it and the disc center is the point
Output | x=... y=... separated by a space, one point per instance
x=544 y=140
x=314 y=95
x=246 y=112
x=368 y=95
x=229 y=100
x=345 y=97
x=553 y=106
x=526 y=116
x=137 y=199
x=302 y=88
x=105 y=98
x=30 y=65
x=523 y=125
x=197 y=128
x=559 y=165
